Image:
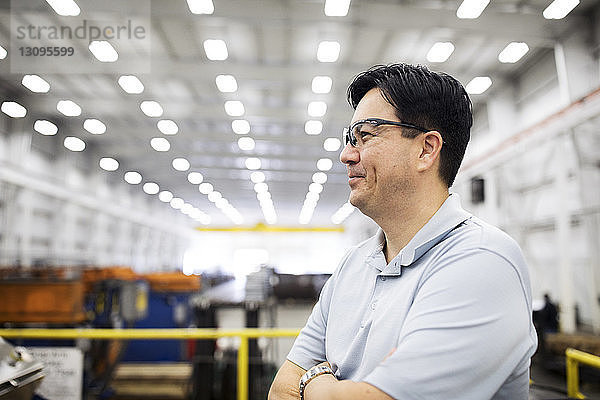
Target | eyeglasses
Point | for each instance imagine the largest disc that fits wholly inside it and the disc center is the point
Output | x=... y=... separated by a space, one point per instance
x=352 y=133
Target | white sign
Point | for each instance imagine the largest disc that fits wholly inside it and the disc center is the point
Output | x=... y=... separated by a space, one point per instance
x=63 y=370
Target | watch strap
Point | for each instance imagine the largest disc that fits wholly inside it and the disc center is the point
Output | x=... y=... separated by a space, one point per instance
x=312 y=374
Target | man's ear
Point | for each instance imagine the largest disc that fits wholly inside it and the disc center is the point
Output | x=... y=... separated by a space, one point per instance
x=431 y=145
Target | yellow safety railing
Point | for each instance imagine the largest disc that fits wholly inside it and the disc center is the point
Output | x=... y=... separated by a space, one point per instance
x=190 y=333
x=574 y=357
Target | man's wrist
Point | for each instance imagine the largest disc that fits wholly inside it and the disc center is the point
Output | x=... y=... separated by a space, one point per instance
x=311 y=374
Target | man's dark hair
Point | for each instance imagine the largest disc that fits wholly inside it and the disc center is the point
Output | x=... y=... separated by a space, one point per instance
x=433 y=100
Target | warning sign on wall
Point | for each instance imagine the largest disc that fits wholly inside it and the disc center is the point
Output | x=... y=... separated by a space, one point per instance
x=63 y=368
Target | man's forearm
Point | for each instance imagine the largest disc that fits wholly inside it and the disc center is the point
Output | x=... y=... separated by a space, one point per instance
x=327 y=387
x=285 y=384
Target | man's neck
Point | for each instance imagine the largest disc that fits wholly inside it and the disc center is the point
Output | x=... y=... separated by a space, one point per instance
x=403 y=222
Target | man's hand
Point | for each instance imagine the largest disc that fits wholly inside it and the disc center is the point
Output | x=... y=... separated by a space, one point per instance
x=286 y=382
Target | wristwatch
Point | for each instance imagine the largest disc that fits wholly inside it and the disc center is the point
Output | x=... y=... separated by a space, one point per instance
x=312 y=374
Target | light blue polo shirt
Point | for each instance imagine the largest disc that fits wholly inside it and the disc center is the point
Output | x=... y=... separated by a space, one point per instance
x=455 y=303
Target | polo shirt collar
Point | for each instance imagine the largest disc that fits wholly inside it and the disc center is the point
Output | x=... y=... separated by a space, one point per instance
x=447 y=217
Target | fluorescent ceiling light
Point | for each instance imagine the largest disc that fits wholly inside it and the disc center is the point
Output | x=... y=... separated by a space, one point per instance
x=214 y=196
x=94 y=126
x=328 y=51
x=103 y=51
x=253 y=163
x=66 y=8
x=68 y=108
x=240 y=126
x=187 y=208
x=108 y=164
x=337 y=8
x=313 y=196
x=195 y=178
x=151 y=108
x=478 y=85
x=317 y=108
x=321 y=84
x=332 y=144
x=151 y=188
x=315 y=187
x=3 y=53
x=261 y=187
x=160 y=144
x=513 y=52
x=246 y=143
x=226 y=83
x=216 y=49
x=131 y=84
x=205 y=188
x=132 y=177
x=13 y=109
x=74 y=144
x=263 y=196
x=165 y=196
x=440 y=52
x=167 y=127
x=324 y=164
x=234 y=108
x=201 y=6
x=313 y=127
x=35 y=84
x=45 y=128
x=471 y=8
x=319 y=177
x=257 y=177
x=181 y=164
x=559 y=9
x=176 y=203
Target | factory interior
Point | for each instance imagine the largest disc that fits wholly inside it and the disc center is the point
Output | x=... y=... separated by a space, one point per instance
x=172 y=198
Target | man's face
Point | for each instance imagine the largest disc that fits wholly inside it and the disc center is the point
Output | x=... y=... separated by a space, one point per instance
x=379 y=168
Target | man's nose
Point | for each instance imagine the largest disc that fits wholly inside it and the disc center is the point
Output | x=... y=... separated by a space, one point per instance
x=349 y=155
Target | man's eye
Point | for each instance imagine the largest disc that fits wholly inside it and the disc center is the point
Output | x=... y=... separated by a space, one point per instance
x=365 y=134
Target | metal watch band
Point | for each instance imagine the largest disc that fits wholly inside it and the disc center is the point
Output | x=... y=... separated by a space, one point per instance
x=312 y=374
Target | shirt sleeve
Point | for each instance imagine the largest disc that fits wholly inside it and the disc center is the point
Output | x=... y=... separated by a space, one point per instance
x=467 y=332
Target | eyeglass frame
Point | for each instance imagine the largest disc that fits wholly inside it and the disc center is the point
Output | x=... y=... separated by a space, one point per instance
x=375 y=122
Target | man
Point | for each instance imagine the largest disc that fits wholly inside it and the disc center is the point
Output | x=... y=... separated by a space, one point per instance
x=437 y=304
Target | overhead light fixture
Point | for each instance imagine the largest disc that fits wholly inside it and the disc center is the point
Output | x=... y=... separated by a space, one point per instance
x=151 y=108
x=215 y=49
x=470 y=9
x=317 y=108
x=321 y=84
x=108 y=164
x=94 y=126
x=131 y=84
x=74 y=144
x=201 y=6
x=440 y=52
x=257 y=177
x=253 y=163
x=187 y=208
x=313 y=127
x=103 y=51
x=165 y=196
x=205 y=188
x=315 y=187
x=195 y=178
x=478 y=85
x=66 y=8
x=35 y=83
x=3 y=53
x=13 y=109
x=240 y=126
x=313 y=197
x=68 y=108
x=226 y=83
x=167 y=127
x=160 y=144
x=45 y=128
x=513 y=52
x=234 y=108
x=261 y=187
x=328 y=51
x=180 y=164
x=332 y=144
x=214 y=196
x=246 y=143
x=319 y=177
x=176 y=203
x=150 y=188
x=132 y=177
x=559 y=9
x=324 y=164
x=337 y=8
